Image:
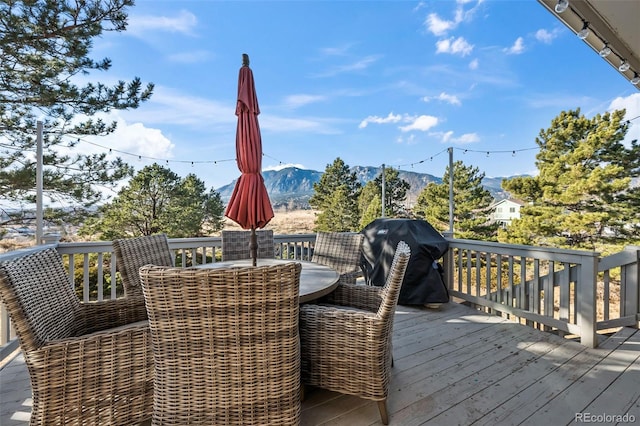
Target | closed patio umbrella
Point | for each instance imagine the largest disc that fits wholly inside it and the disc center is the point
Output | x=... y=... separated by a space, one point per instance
x=249 y=205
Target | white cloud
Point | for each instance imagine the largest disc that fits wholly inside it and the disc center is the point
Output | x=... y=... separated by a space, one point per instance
x=357 y=65
x=130 y=140
x=296 y=101
x=451 y=99
x=517 y=47
x=438 y=26
x=447 y=137
x=473 y=65
x=391 y=118
x=466 y=138
x=632 y=106
x=421 y=123
x=337 y=50
x=183 y=23
x=545 y=36
x=454 y=46
x=444 y=97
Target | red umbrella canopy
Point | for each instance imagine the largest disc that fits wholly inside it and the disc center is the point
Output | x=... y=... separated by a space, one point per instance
x=249 y=205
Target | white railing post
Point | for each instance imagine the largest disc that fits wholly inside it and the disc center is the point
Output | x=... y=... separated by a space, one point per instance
x=587 y=301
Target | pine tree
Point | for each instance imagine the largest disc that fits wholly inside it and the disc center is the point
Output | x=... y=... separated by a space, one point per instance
x=582 y=196
x=158 y=200
x=471 y=204
x=43 y=47
x=370 y=201
x=336 y=197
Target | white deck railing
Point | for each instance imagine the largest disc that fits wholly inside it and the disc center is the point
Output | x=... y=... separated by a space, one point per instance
x=590 y=294
x=571 y=292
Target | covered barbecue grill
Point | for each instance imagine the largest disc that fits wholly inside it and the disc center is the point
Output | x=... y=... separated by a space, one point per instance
x=424 y=281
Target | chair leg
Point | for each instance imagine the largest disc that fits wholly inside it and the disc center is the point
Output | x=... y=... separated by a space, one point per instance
x=384 y=416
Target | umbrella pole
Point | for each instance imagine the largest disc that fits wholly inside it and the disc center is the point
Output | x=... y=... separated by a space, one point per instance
x=253 y=246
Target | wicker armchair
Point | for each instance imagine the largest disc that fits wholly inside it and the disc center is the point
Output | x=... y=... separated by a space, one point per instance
x=235 y=244
x=89 y=363
x=346 y=340
x=133 y=253
x=225 y=344
x=340 y=251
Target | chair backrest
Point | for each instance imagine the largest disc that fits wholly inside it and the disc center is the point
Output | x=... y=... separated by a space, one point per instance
x=235 y=244
x=132 y=253
x=237 y=328
x=38 y=295
x=338 y=250
x=391 y=289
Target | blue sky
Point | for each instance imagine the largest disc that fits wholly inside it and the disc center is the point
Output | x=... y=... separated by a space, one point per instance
x=371 y=82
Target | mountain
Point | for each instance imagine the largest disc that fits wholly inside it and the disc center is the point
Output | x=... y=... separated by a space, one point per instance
x=292 y=187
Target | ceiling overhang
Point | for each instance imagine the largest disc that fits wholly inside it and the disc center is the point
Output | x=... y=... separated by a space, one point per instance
x=615 y=22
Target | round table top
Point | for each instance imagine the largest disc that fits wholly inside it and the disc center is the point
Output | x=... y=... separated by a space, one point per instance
x=315 y=280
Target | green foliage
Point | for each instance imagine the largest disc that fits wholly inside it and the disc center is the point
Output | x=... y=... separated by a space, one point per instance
x=582 y=196
x=44 y=46
x=336 y=196
x=370 y=200
x=471 y=204
x=157 y=200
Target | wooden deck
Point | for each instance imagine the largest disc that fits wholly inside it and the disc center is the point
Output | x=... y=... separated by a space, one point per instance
x=458 y=366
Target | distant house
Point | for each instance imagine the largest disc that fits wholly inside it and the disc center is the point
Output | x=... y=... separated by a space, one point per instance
x=504 y=211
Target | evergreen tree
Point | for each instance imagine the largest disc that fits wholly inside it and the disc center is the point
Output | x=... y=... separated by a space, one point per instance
x=43 y=47
x=581 y=196
x=336 y=197
x=471 y=204
x=158 y=200
x=370 y=200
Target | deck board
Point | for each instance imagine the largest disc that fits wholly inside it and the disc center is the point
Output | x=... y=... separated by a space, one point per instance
x=459 y=366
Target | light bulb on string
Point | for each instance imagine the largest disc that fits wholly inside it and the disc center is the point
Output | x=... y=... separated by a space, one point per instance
x=636 y=78
x=562 y=6
x=605 y=51
x=624 y=66
x=584 y=32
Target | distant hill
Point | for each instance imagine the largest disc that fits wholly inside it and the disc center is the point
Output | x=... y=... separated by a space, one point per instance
x=292 y=187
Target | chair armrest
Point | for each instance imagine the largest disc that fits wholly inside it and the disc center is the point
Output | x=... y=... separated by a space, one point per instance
x=112 y=313
x=349 y=277
x=357 y=296
x=328 y=316
x=88 y=355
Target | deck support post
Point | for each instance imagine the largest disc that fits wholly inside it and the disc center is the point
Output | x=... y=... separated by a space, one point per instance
x=586 y=302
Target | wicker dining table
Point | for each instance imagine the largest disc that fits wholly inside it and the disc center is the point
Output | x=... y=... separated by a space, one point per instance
x=315 y=280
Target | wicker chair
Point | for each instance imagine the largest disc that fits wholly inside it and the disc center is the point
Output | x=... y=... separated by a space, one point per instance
x=89 y=363
x=235 y=244
x=133 y=253
x=340 y=251
x=346 y=339
x=225 y=344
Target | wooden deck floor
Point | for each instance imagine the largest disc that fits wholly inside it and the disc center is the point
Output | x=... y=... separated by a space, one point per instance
x=457 y=366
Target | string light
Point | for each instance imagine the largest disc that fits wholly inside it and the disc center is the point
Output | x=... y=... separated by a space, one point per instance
x=562 y=6
x=606 y=50
x=584 y=32
x=636 y=78
x=624 y=66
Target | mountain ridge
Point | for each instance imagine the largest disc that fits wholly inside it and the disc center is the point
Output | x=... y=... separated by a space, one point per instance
x=291 y=187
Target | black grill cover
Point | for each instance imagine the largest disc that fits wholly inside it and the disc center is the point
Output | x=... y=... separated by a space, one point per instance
x=423 y=280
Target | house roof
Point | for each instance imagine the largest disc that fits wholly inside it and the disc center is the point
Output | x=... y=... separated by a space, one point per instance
x=614 y=22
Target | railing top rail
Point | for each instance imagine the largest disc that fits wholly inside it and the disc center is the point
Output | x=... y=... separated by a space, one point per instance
x=543 y=253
